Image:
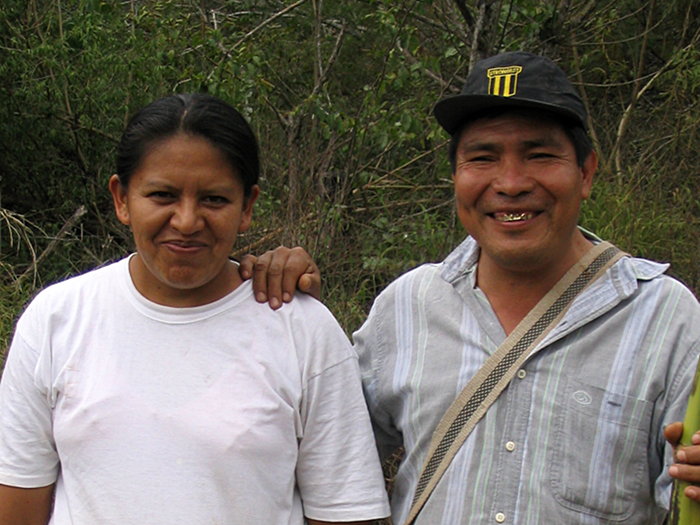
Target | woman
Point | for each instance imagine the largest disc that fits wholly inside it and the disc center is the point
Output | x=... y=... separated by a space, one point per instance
x=156 y=390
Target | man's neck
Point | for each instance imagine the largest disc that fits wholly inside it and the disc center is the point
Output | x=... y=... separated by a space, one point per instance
x=512 y=293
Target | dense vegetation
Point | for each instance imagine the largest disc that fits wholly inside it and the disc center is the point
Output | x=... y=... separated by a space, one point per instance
x=340 y=95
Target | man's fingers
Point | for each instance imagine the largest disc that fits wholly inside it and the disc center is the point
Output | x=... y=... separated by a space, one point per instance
x=269 y=270
x=673 y=432
x=687 y=466
x=301 y=272
x=245 y=267
x=690 y=455
x=310 y=283
x=267 y=278
x=689 y=473
x=693 y=493
x=278 y=273
x=260 y=278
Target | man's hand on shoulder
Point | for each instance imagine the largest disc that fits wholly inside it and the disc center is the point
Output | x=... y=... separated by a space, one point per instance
x=687 y=459
x=278 y=273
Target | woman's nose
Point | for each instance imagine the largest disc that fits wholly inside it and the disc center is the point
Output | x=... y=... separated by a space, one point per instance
x=187 y=218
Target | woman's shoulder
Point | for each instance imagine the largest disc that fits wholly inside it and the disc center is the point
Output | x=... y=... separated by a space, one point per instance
x=315 y=331
x=84 y=286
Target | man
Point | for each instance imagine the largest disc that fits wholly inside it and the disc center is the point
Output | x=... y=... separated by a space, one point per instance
x=577 y=436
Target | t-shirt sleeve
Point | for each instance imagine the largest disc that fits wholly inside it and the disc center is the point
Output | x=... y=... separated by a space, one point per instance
x=338 y=471
x=28 y=456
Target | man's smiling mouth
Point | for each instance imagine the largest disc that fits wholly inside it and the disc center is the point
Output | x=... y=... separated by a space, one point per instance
x=513 y=217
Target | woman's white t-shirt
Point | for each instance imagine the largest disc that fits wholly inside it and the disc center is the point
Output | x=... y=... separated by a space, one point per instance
x=227 y=413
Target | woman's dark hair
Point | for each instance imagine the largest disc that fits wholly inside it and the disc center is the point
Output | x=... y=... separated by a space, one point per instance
x=196 y=114
x=575 y=131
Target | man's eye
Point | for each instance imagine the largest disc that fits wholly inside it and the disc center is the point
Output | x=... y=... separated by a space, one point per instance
x=481 y=158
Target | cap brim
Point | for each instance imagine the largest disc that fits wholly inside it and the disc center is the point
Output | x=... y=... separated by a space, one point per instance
x=452 y=112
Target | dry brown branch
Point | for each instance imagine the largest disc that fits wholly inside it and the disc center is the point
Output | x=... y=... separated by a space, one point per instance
x=444 y=84
x=394 y=171
x=586 y=101
x=65 y=229
x=321 y=70
x=227 y=53
x=627 y=114
x=267 y=21
x=477 y=28
x=635 y=92
x=18 y=228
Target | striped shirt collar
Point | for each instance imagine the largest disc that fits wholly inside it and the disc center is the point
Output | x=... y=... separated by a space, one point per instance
x=462 y=261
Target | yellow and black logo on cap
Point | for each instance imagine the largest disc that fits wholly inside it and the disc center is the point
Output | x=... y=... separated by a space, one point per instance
x=503 y=81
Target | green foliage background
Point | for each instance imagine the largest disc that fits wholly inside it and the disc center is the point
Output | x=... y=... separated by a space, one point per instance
x=340 y=95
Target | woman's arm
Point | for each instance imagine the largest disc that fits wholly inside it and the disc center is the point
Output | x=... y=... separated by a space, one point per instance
x=315 y=522
x=20 y=506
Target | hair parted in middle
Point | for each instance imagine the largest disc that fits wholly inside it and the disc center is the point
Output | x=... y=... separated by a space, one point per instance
x=196 y=114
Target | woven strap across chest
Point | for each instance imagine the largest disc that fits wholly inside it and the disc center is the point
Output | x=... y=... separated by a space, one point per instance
x=493 y=377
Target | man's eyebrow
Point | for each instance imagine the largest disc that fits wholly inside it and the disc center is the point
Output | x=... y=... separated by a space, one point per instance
x=545 y=141
x=477 y=146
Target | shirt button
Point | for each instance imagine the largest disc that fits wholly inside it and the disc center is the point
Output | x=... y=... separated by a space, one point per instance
x=500 y=517
x=522 y=373
x=510 y=446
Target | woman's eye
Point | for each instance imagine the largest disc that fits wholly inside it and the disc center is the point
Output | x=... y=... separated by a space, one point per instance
x=160 y=195
x=215 y=199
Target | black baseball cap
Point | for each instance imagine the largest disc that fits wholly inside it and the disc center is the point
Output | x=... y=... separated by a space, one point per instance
x=515 y=79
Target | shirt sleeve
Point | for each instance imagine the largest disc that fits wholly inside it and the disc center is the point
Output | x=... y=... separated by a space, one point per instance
x=338 y=471
x=373 y=366
x=28 y=457
x=677 y=396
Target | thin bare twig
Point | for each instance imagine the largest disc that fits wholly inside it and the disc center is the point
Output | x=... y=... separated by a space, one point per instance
x=635 y=95
x=65 y=229
x=268 y=21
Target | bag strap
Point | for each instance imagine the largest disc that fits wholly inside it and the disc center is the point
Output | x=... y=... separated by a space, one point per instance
x=495 y=374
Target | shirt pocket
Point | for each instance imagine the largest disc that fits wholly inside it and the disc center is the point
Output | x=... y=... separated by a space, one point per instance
x=599 y=457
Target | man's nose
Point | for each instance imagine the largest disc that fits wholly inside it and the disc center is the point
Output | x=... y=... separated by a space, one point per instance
x=513 y=178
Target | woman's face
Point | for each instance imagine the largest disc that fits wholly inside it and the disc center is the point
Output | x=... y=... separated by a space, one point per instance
x=185 y=206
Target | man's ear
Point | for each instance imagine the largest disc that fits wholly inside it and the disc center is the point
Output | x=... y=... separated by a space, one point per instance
x=118 y=192
x=590 y=165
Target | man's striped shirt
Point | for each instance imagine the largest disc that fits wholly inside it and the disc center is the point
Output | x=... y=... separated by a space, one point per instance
x=576 y=437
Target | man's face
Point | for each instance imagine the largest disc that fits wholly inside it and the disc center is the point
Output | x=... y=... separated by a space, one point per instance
x=519 y=189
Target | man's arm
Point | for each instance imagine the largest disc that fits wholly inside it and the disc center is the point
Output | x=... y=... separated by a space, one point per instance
x=278 y=273
x=20 y=506
x=687 y=466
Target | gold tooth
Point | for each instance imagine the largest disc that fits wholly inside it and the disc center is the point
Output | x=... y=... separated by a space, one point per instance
x=509 y=217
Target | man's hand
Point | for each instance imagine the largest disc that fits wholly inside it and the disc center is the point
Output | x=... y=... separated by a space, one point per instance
x=278 y=273
x=687 y=459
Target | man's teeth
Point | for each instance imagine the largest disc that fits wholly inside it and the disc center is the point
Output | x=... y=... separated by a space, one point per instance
x=512 y=217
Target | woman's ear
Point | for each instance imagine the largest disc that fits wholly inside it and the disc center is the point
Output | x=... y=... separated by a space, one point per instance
x=247 y=212
x=118 y=192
